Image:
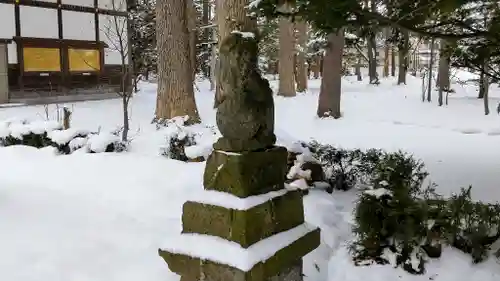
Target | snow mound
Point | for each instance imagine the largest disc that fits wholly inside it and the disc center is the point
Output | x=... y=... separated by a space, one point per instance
x=99 y=143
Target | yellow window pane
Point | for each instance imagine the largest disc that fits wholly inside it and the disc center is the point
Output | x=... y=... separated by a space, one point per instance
x=84 y=60
x=41 y=59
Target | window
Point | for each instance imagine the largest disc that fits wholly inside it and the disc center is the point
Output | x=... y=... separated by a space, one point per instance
x=84 y=60
x=41 y=59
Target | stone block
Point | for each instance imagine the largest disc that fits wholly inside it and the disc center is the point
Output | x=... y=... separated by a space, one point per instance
x=245 y=227
x=282 y=264
x=246 y=174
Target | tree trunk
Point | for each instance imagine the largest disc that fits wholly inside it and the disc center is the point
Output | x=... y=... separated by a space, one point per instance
x=358 y=69
x=126 y=123
x=331 y=83
x=403 y=57
x=193 y=35
x=443 y=71
x=213 y=63
x=232 y=15
x=315 y=66
x=175 y=86
x=286 y=57
x=431 y=65
x=484 y=86
x=301 y=56
x=213 y=56
x=386 y=53
x=372 y=59
x=206 y=38
x=393 y=62
x=320 y=63
x=481 y=87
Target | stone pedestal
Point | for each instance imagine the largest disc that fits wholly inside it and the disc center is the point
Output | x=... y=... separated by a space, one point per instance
x=244 y=225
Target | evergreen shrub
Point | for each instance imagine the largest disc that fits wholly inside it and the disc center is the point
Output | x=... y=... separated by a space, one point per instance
x=399 y=217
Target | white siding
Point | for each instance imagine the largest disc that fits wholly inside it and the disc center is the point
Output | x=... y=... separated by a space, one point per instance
x=108 y=34
x=8 y=29
x=12 y=51
x=79 y=26
x=7 y=21
x=53 y=1
x=38 y=22
x=120 y=5
x=85 y=3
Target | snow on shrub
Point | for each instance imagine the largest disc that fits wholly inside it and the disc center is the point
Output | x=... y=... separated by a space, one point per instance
x=64 y=139
x=305 y=172
x=25 y=133
x=43 y=134
x=186 y=142
x=391 y=216
x=104 y=142
x=398 y=220
x=343 y=168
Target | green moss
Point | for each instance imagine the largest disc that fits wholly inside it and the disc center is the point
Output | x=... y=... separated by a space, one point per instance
x=246 y=174
x=245 y=227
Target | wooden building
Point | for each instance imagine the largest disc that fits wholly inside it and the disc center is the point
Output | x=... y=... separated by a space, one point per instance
x=58 y=49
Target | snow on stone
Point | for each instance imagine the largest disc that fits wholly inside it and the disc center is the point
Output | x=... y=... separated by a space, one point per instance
x=99 y=143
x=64 y=136
x=378 y=192
x=384 y=183
x=414 y=259
x=195 y=151
x=321 y=185
x=244 y=34
x=296 y=170
x=350 y=36
x=390 y=256
x=229 y=201
x=229 y=153
x=300 y=184
x=216 y=249
x=254 y=4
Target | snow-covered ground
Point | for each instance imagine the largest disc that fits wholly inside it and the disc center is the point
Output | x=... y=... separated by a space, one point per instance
x=102 y=217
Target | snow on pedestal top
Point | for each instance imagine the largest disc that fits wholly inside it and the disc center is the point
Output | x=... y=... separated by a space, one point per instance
x=216 y=249
x=229 y=201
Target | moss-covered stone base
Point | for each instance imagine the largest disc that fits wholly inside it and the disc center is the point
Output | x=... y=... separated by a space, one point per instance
x=248 y=173
x=248 y=226
x=191 y=268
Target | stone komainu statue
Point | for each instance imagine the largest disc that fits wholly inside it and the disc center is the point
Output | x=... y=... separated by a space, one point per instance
x=245 y=115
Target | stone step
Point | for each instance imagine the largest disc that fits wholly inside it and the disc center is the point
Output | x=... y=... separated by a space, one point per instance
x=245 y=227
x=194 y=256
x=246 y=174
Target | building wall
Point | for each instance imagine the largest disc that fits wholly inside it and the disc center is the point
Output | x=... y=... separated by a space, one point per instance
x=85 y=3
x=38 y=22
x=111 y=30
x=119 y=5
x=78 y=25
x=75 y=28
x=8 y=29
